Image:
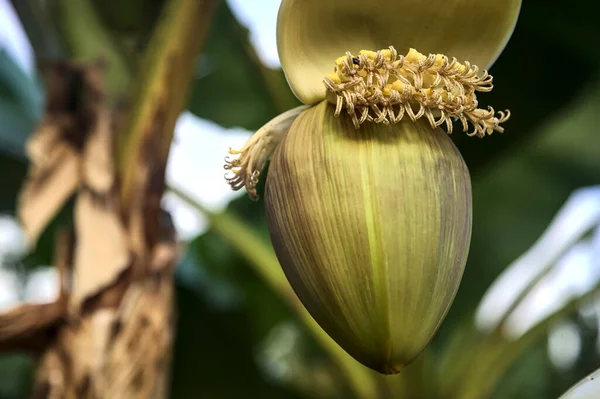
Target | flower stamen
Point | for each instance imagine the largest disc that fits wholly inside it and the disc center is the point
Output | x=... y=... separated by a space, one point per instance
x=244 y=170
x=384 y=87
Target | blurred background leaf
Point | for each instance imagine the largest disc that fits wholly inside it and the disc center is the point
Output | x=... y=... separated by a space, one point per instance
x=233 y=88
x=226 y=354
x=20 y=105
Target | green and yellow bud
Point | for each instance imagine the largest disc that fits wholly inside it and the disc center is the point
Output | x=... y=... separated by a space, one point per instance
x=368 y=200
x=372 y=228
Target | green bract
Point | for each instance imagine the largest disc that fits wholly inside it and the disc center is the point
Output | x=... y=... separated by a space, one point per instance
x=313 y=33
x=372 y=228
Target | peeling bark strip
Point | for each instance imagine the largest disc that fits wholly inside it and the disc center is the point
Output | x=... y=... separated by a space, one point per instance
x=32 y=327
x=72 y=154
x=54 y=149
x=29 y=327
x=109 y=334
x=101 y=252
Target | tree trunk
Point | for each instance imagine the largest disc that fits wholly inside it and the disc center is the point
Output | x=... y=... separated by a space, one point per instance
x=120 y=344
x=110 y=332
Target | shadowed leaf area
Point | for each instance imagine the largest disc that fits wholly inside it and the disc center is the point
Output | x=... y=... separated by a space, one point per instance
x=228 y=351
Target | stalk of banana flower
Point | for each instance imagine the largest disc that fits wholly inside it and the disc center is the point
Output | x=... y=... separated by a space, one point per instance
x=368 y=200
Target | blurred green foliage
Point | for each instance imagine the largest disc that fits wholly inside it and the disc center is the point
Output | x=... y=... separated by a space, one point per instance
x=548 y=77
x=228 y=367
x=20 y=105
x=243 y=92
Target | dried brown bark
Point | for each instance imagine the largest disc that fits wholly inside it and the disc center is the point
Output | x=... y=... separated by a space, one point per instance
x=119 y=345
x=109 y=334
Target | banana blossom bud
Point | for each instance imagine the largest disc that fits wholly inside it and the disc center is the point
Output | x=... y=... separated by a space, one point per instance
x=368 y=200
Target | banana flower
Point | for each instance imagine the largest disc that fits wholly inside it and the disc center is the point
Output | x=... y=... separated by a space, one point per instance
x=368 y=200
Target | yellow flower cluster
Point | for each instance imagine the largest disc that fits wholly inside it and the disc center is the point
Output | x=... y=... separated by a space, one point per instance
x=383 y=87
